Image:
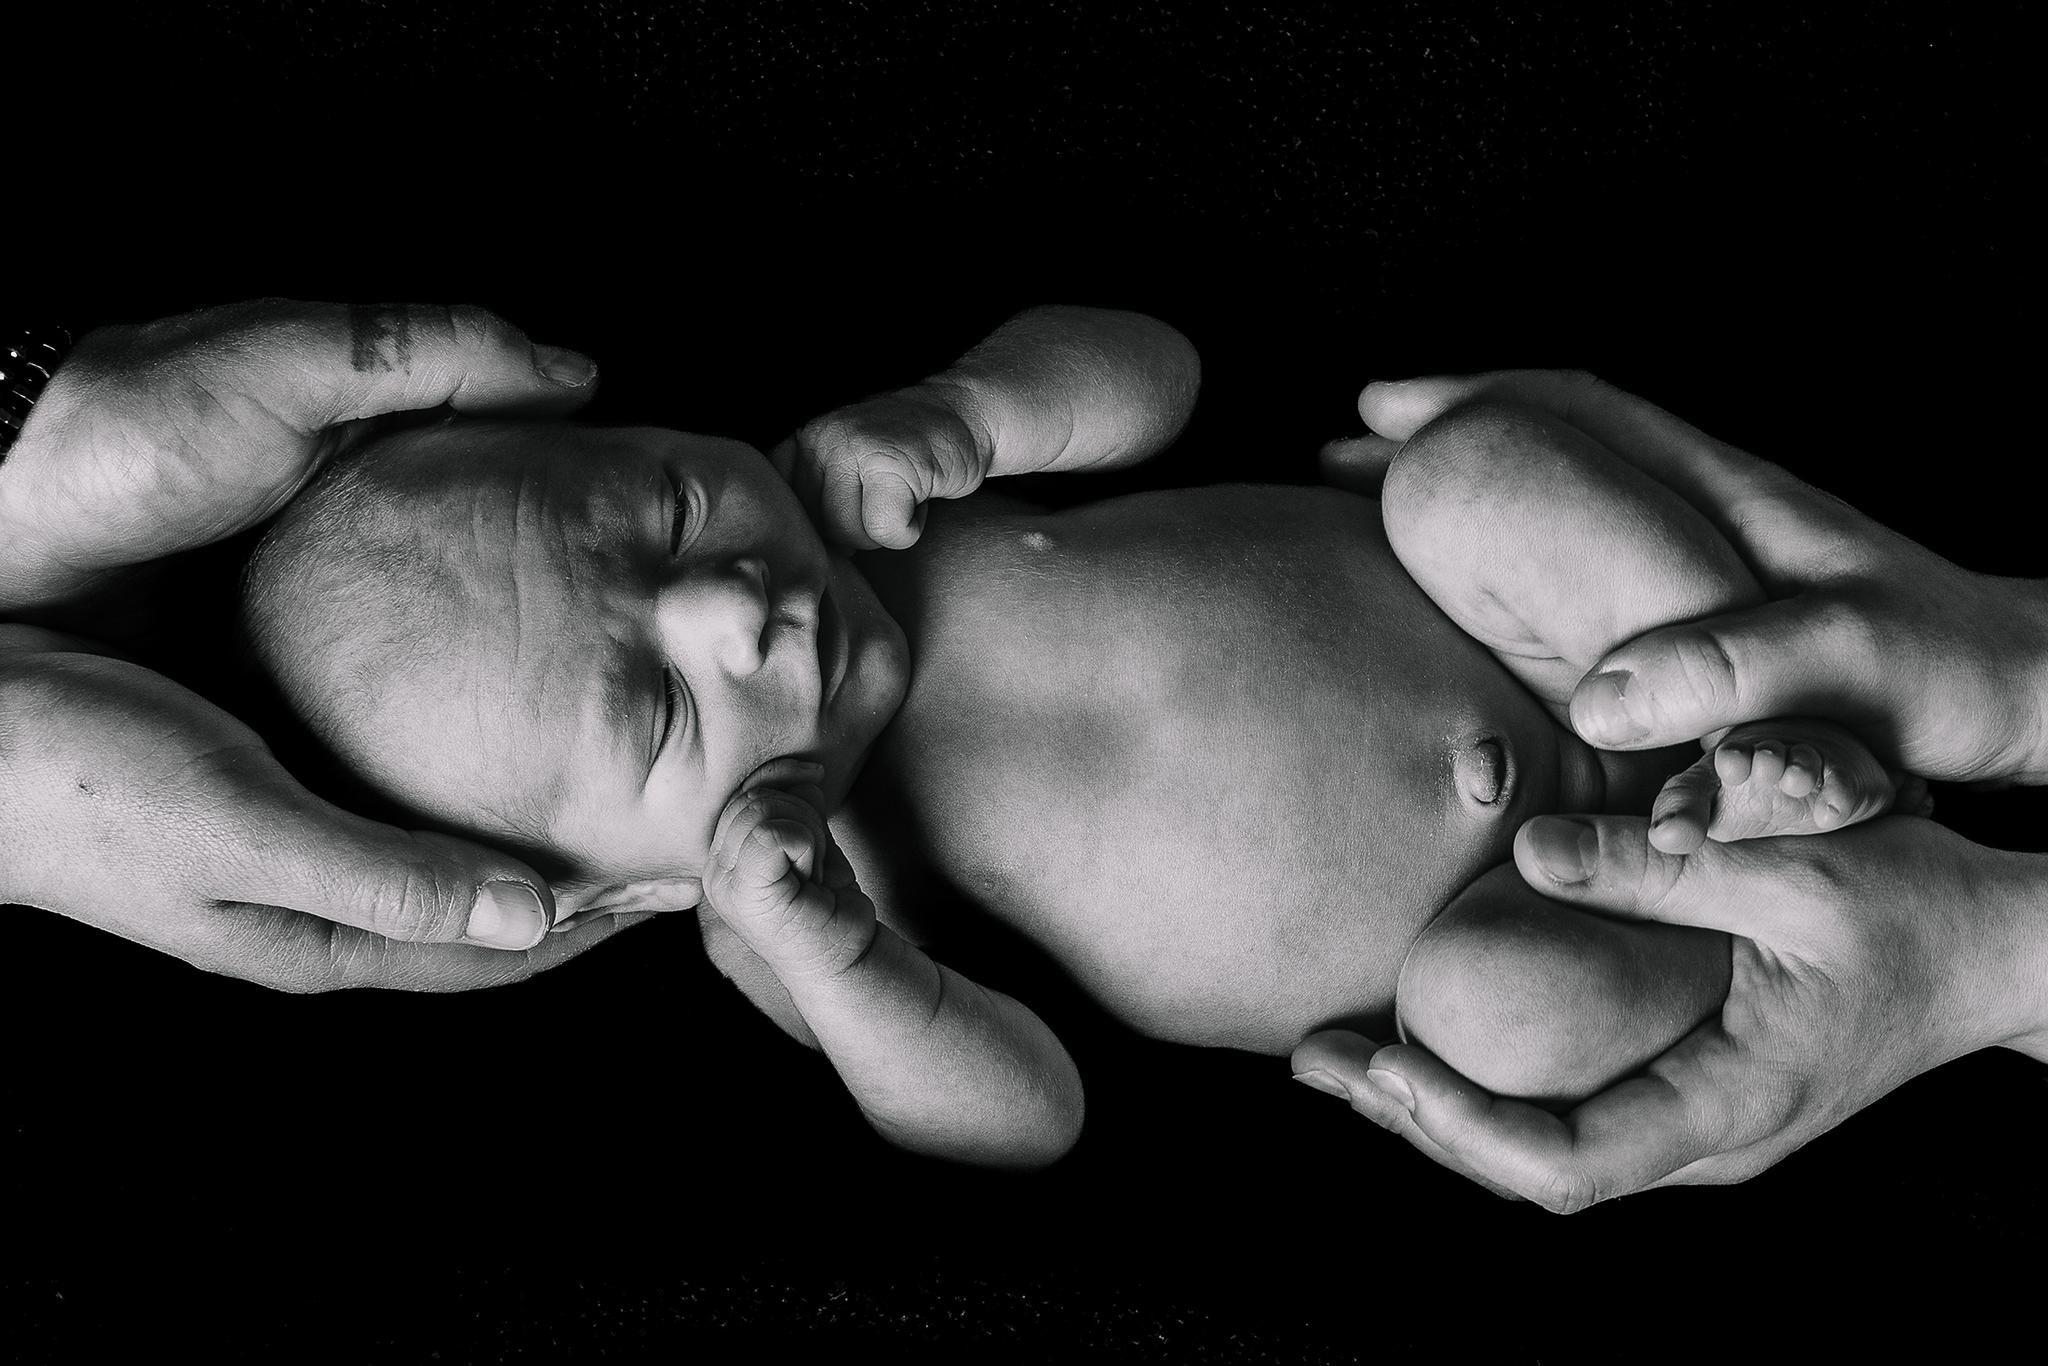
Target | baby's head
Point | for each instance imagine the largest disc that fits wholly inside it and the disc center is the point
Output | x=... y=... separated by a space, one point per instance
x=573 y=642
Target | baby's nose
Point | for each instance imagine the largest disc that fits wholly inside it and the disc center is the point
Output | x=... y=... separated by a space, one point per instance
x=722 y=611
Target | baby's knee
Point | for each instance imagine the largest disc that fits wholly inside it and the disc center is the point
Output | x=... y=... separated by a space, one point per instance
x=1507 y=1005
x=1470 y=459
x=1534 y=999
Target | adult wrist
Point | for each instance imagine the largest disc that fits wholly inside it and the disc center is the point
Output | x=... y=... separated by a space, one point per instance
x=2013 y=986
x=2031 y=636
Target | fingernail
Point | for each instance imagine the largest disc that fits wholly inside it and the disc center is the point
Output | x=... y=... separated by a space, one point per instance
x=1323 y=1081
x=570 y=369
x=1565 y=847
x=1391 y=1086
x=507 y=915
x=1602 y=710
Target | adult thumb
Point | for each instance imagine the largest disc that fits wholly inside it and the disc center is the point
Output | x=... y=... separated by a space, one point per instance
x=417 y=887
x=1797 y=657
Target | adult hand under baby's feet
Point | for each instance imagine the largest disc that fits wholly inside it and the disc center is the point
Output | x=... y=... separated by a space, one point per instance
x=1940 y=669
x=866 y=471
x=1862 y=958
x=777 y=879
x=1795 y=777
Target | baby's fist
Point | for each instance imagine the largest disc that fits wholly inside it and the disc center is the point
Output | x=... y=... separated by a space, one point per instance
x=866 y=471
x=776 y=877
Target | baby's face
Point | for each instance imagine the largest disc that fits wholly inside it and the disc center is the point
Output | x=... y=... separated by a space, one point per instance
x=643 y=619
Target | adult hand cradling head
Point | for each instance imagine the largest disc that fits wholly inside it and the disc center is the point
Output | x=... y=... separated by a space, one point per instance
x=1862 y=957
x=132 y=804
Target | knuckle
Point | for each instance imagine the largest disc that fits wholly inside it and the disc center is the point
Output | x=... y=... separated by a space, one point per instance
x=1852 y=633
x=473 y=324
x=1704 y=670
x=1567 y=1194
x=417 y=906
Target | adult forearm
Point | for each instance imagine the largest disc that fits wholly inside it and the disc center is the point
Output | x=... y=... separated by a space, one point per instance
x=940 y=1064
x=1068 y=388
x=2020 y=995
x=2027 y=647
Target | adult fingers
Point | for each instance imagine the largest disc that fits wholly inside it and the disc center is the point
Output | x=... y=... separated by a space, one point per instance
x=284 y=949
x=1358 y=463
x=1634 y=1135
x=1339 y=1063
x=334 y=363
x=1607 y=863
x=298 y=851
x=1810 y=655
x=1706 y=472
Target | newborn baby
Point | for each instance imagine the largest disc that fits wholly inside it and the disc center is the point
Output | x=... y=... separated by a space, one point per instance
x=1246 y=761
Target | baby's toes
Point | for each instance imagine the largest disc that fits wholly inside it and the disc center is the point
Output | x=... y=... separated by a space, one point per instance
x=1684 y=809
x=1731 y=764
x=1766 y=763
x=1803 y=772
x=1797 y=777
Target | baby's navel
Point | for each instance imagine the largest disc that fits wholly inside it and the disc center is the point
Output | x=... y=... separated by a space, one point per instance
x=1481 y=768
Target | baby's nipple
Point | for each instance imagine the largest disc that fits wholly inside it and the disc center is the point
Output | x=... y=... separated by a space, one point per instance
x=1481 y=769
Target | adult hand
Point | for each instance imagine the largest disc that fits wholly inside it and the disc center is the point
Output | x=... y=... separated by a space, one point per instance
x=133 y=805
x=1941 y=670
x=155 y=439
x=1861 y=959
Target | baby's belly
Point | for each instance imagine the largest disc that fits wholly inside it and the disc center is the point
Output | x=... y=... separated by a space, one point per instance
x=1224 y=788
x=1250 y=914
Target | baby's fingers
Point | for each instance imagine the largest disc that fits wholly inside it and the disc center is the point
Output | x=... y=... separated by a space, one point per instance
x=891 y=509
x=872 y=499
x=764 y=851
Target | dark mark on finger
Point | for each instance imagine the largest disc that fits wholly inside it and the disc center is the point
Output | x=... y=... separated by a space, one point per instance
x=380 y=337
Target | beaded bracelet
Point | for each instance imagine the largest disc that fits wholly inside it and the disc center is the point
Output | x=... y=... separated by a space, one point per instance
x=27 y=360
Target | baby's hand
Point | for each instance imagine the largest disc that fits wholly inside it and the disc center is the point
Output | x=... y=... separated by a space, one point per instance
x=779 y=881
x=1779 y=778
x=866 y=471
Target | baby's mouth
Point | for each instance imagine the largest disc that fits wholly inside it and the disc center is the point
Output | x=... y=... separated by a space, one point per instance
x=832 y=648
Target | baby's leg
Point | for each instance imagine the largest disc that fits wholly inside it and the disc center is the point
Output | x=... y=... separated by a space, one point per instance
x=1552 y=551
x=1542 y=1001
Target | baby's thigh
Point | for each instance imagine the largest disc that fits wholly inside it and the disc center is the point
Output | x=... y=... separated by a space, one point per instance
x=1532 y=998
x=1545 y=546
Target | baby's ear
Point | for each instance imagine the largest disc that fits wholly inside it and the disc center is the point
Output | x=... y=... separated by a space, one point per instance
x=579 y=902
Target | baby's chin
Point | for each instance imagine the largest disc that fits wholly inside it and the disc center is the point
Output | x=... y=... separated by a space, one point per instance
x=877 y=677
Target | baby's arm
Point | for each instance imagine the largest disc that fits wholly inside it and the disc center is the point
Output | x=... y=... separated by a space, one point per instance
x=1055 y=388
x=1066 y=388
x=937 y=1063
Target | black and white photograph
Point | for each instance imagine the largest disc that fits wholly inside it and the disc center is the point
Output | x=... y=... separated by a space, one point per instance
x=1178 y=683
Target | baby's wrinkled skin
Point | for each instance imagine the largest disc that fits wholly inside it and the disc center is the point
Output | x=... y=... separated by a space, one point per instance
x=1211 y=748
x=1219 y=752
x=619 y=626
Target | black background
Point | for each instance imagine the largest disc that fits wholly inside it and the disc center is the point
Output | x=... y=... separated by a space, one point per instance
x=1805 y=233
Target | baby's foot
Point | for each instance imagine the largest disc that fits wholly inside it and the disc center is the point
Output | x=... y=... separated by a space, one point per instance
x=1779 y=778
